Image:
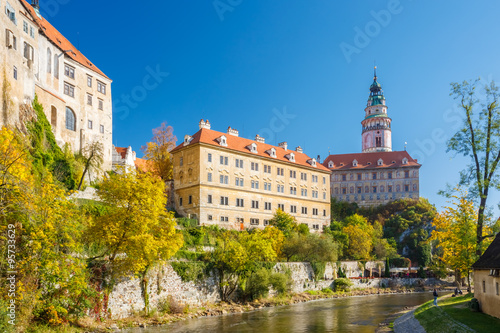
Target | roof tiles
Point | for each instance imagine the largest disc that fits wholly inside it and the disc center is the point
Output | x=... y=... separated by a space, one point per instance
x=240 y=144
x=390 y=159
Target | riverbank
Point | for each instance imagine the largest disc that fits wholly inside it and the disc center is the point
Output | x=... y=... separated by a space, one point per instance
x=179 y=312
x=452 y=313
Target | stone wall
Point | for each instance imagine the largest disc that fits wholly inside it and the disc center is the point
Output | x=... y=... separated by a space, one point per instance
x=126 y=297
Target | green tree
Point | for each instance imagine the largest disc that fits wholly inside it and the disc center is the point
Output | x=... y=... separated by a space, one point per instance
x=479 y=139
x=284 y=222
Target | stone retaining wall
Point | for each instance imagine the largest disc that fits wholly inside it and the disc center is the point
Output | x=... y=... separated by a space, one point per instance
x=126 y=297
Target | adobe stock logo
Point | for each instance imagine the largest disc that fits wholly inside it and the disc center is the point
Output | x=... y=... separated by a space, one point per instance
x=150 y=81
x=223 y=6
x=277 y=124
x=371 y=30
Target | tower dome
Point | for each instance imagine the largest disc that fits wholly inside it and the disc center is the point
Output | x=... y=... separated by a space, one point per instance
x=376 y=127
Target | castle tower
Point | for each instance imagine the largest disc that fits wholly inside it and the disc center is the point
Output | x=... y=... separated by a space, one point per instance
x=376 y=127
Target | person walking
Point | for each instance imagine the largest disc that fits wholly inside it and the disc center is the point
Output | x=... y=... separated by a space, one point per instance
x=435 y=294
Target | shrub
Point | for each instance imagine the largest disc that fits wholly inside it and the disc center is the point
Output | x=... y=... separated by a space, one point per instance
x=342 y=284
x=318 y=269
x=327 y=291
x=341 y=273
x=189 y=271
x=172 y=306
x=421 y=273
x=280 y=282
x=257 y=285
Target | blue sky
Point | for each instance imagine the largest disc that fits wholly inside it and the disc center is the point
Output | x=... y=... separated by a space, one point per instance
x=295 y=71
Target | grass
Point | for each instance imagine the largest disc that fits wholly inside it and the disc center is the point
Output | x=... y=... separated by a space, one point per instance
x=453 y=312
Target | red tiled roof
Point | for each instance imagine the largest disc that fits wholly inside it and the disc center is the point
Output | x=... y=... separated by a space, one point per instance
x=390 y=159
x=237 y=143
x=143 y=165
x=122 y=151
x=60 y=41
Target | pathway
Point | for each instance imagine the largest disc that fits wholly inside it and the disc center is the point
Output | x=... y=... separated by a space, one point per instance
x=407 y=323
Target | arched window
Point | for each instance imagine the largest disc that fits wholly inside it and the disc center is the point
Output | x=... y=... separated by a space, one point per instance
x=70 y=119
x=49 y=61
x=56 y=66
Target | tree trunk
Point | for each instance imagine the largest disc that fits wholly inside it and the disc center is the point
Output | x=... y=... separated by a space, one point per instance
x=480 y=222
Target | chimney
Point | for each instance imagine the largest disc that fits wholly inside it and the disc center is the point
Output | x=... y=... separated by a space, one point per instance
x=283 y=145
x=204 y=124
x=260 y=139
x=299 y=149
x=318 y=159
x=232 y=131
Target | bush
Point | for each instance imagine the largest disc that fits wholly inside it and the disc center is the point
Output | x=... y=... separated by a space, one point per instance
x=189 y=271
x=421 y=273
x=327 y=291
x=342 y=284
x=172 y=306
x=280 y=282
x=318 y=269
x=340 y=272
x=257 y=285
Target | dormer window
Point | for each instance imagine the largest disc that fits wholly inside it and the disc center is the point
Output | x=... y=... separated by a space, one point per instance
x=355 y=163
x=291 y=157
x=330 y=164
x=380 y=161
x=405 y=160
x=187 y=139
x=271 y=152
x=312 y=162
x=369 y=163
x=222 y=140
x=252 y=147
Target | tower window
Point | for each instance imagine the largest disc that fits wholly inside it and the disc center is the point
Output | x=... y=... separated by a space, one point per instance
x=378 y=141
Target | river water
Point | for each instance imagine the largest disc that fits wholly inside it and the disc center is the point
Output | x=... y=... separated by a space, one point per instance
x=351 y=314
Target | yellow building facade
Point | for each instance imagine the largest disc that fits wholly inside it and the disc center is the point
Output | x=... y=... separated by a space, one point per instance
x=236 y=183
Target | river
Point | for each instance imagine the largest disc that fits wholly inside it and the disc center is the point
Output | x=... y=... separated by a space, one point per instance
x=351 y=314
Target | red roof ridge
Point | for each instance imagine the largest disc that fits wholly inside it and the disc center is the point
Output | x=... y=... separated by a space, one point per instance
x=390 y=159
x=237 y=143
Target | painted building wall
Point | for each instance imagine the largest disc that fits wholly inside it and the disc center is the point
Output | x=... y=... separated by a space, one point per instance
x=375 y=186
x=487 y=291
x=41 y=71
x=194 y=189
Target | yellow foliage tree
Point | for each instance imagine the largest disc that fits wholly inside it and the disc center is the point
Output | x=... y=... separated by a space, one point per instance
x=455 y=232
x=360 y=235
x=158 y=151
x=236 y=254
x=137 y=231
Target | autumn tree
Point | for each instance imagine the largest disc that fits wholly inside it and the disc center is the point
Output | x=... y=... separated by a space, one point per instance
x=136 y=231
x=158 y=151
x=359 y=233
x=236 y=255
x=479 y=139
x=455 y=234
x=92 y=157
x=51 y=280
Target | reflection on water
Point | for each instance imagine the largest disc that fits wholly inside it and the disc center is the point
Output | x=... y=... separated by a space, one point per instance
x=354 y=314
